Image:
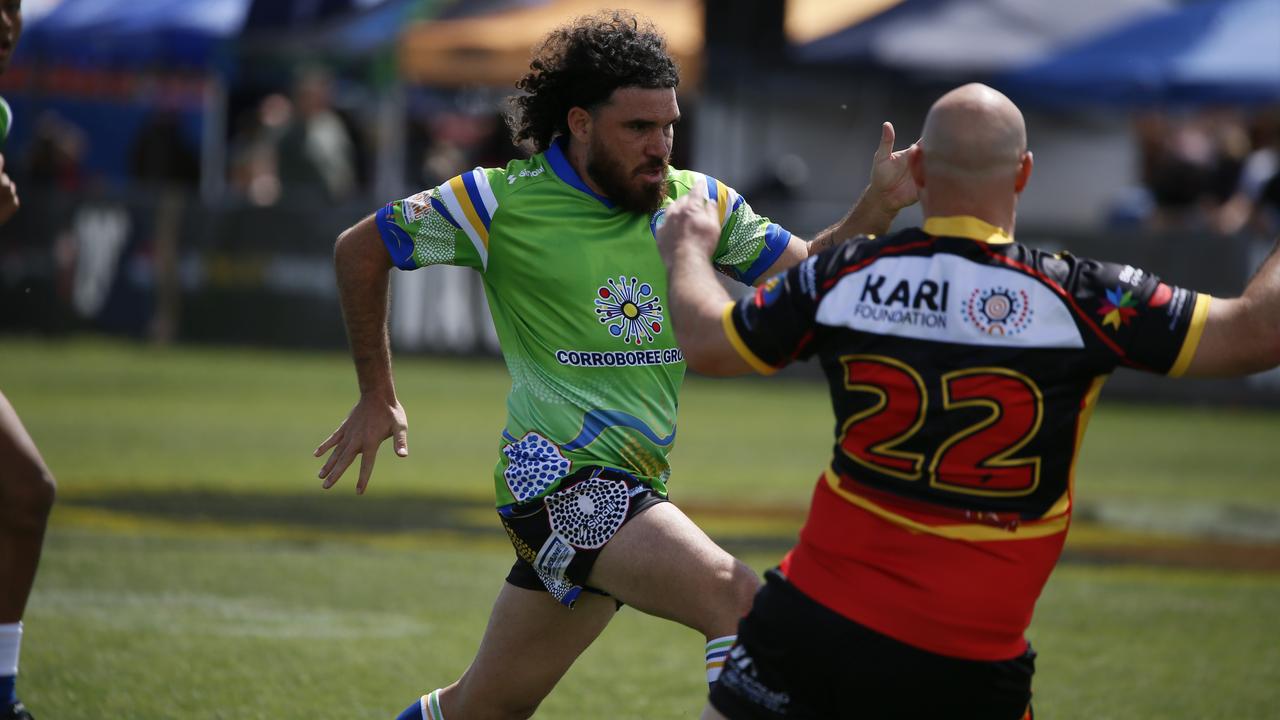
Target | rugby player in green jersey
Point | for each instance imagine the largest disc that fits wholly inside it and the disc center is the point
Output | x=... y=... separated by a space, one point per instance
x=564 y=242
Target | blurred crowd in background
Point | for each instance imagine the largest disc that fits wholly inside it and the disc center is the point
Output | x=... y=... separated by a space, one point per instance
x=184 y=168
x=1213 y=170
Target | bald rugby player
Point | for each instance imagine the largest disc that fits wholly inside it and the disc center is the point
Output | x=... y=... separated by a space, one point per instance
x=963 y=368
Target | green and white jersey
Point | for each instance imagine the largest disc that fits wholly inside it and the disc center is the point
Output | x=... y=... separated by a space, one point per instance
x=577 y=292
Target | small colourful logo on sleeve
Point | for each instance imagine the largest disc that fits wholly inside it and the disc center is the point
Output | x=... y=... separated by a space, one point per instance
x=767 y=293
x=629 y=309
x=1119 y=308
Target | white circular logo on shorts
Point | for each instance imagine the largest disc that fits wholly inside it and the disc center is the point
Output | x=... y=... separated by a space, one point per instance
x=589 y=513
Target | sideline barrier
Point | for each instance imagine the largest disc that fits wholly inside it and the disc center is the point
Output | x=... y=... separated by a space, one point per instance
x=160 y=266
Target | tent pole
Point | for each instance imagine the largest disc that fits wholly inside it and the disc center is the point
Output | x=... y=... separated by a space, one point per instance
x=213 y=141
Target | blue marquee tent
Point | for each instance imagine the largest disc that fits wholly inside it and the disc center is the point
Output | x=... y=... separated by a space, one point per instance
x=189 y=35
x=176 y=32
x=1211 y=52
x=949 y=38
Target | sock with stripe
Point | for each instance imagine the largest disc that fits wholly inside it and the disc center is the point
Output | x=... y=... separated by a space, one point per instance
x=717 y=651
x=426 y=708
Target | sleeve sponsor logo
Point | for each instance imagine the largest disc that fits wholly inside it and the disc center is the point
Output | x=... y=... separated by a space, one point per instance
x=1176 y=305
x=808 y=277
x=1132 y=275
x=416 y=207
x=768 y=293
x=1119 y=308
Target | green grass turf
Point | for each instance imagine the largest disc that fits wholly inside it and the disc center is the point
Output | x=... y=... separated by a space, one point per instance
x=122 y=416
x=153 y=615
x=158 y=625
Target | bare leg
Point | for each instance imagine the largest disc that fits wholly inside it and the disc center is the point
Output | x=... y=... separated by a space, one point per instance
x=26 y=496
x=663 y=564
x=710 y=713
x=528 y=646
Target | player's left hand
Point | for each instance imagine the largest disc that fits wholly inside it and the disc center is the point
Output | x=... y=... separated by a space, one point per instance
x=891 y=184
x=689 y=222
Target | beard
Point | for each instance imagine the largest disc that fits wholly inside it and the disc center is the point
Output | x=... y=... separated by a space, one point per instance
x=622 y=185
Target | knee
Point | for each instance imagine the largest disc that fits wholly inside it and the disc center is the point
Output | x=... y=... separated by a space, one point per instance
x=735 y=590
x=28 y=493
x=744 y=585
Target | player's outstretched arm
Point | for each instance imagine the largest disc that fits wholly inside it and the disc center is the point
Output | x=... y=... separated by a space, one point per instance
x=364 y=276
x=686 y=240
x=1242 y=335
x=891 y=189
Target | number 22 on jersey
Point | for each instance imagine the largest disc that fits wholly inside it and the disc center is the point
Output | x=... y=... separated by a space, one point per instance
x=979 y=459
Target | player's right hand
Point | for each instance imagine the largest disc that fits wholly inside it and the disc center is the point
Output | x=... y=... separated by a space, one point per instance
x=8 y=195
x=690 y=221
x=370 y=422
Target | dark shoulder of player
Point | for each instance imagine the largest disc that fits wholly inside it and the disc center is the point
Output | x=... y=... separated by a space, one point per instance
x=861 y=247
x=835 y=261
x=1080 y=274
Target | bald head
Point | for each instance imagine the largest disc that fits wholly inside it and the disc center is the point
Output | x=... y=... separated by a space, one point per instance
x=973 y=132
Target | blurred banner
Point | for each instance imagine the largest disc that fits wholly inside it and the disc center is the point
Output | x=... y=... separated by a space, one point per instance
x=161 y=266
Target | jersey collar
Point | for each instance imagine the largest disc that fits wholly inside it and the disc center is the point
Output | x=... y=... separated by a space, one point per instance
x=966 y=226
x=564 y=170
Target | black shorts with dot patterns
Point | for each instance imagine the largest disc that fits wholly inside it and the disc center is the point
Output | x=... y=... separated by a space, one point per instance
x=557 y=538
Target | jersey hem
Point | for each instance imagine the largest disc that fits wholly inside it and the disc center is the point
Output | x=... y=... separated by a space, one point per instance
x=957 y=531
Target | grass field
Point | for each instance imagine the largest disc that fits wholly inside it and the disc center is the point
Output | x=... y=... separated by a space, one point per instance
x=195 y=569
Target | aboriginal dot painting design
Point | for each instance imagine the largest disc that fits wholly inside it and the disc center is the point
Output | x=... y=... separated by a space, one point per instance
x=999 y=311
x=589 y=513
x=534 y=464
x=560 y=589
x=629 y=309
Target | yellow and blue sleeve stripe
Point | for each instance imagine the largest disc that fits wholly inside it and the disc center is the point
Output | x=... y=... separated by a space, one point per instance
x=726 y=199
x=776 y=239
x=471 y=203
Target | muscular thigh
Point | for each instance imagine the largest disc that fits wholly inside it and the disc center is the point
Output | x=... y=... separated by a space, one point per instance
x=662 y=563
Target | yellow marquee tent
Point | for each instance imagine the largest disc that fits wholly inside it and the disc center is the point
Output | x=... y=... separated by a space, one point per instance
x=494 y=49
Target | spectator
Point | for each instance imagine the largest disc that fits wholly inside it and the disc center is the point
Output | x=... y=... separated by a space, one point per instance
x=316 y=153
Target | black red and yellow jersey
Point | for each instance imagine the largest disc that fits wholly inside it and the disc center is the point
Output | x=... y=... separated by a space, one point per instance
x=963 y=368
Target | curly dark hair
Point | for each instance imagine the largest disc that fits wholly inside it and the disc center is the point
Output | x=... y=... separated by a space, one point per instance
x=580 y=65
